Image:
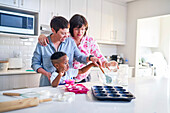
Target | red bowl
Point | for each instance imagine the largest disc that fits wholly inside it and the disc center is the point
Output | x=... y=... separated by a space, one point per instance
x=71 y=81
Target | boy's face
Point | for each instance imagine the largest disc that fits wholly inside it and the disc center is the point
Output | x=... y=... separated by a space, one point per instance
x=61 y=34
x=62 y=65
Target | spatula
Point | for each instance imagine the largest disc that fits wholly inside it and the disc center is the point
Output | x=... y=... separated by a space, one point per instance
x=108 y=78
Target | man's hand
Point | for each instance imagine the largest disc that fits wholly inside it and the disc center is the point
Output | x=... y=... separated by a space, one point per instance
x=48 y=74
x=43 y=40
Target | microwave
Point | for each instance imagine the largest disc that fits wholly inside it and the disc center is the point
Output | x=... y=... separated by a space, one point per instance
x=17 y=23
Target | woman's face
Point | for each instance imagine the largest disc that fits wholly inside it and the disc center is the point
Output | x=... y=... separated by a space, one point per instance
x=79 y=32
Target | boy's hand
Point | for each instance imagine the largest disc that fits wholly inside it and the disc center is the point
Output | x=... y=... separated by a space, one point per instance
x=61 y=73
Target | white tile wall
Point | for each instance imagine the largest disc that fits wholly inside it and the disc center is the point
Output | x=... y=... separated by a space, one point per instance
x=108 y=50
x=12 y=46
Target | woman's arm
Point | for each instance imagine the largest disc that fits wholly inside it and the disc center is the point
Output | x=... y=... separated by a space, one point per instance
x=95 y=50
x=43 y=40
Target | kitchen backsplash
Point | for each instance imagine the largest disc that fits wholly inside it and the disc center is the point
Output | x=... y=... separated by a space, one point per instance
x=14 y=46
x=11 y=47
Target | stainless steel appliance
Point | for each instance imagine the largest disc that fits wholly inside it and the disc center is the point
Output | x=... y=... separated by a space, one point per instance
x=15 y=22
x=117 y=58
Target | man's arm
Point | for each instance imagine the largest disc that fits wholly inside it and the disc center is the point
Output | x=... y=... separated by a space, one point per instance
x=37 y=63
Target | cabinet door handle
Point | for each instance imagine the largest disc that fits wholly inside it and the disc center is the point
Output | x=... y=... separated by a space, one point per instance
x=22 y=2
x=14 y=1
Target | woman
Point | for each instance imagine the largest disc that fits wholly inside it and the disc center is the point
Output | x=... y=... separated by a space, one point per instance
x=87 y=45
x=58 y=41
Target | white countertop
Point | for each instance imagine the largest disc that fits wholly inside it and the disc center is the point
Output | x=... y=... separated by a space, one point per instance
x=152 y=96
x=16 y=72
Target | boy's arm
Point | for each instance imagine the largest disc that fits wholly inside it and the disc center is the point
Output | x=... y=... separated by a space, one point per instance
x=86 y=68
x=56 y=81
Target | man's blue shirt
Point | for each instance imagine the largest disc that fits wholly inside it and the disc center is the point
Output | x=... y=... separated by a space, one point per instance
x=42 y=55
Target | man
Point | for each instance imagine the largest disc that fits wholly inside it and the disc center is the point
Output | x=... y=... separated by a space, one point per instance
x=58 y=41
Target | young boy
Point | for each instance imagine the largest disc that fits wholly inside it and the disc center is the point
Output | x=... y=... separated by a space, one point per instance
x=62 y=73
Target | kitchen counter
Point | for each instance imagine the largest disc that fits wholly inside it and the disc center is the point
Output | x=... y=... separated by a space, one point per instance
x=152 y=96
x=16 y=72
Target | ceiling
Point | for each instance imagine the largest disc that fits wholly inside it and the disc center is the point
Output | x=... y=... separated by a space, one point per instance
x=126 y=0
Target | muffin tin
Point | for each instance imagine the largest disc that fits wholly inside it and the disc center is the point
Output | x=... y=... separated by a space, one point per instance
x=114 y=93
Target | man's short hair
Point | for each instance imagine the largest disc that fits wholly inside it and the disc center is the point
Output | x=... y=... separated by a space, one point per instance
x=59 y=22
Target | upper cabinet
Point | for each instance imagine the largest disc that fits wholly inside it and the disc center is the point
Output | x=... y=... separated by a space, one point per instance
x=30 y=5
x=62 y=8
x=149 y=32
x=94 y=18
x=47 y=11
x=113 y=24
x=13 y=3
x=78 y=7
x=106 y=18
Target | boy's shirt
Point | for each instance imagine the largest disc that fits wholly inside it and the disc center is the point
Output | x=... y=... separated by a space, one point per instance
x=68 y=75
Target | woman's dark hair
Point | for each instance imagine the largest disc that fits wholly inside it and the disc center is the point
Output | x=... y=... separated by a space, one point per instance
x=59 y=22
x=57 y=55
x=77 y=21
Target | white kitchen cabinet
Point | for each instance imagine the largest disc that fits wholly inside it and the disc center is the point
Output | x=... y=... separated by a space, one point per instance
x=53 y=8
x=13 y=3
x=94 y=18
x=145 y=72
x=149 y=32
x=113 y=23
x=78 y=7
x=62 y=8
x=19 y=81
x=32 y=5
x=47 y=11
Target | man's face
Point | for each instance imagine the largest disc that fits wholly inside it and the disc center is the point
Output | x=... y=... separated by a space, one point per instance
x=62 y=34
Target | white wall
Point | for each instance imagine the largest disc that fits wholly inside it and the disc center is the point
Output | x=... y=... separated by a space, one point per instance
x=136 y=10
x=165 y=38
x=9 y=46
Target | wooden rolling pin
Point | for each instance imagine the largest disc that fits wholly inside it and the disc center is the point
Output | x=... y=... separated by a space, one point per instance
x=21 y=103
x=12 y=94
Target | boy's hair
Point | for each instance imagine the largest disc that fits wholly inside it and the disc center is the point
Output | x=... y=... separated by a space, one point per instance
x=77 y=21
x=57 y=55
x=59 y=22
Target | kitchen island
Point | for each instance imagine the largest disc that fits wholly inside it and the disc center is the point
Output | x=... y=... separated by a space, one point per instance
x=152 y=96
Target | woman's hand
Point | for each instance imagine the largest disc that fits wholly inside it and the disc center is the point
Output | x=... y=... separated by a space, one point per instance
x=96 y=61
x=111 y=63
x=43 y=40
